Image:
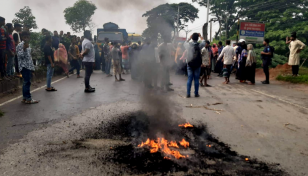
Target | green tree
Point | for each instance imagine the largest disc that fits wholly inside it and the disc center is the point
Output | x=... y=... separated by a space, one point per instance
x=163 y=18
x=25 y=17
x=79 y=16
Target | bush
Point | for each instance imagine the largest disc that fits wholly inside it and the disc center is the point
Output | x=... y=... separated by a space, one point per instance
x=303 y=78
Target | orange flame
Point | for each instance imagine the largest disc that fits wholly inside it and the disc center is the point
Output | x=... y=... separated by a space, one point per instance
x=184 y=143
x=163 y=145
x=186 y=125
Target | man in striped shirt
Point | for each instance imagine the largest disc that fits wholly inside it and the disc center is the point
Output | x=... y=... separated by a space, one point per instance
x=228 y=55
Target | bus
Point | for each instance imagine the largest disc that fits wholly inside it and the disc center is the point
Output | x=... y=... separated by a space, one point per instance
x=134 y=38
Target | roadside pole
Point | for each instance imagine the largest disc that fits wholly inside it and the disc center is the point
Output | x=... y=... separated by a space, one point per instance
x=211 y=31
x=207 y=19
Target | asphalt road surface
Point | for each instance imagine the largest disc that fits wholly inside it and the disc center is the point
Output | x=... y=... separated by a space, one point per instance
x=267 y=122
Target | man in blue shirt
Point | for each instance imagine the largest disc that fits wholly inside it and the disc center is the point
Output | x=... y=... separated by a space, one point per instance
x=266 y=56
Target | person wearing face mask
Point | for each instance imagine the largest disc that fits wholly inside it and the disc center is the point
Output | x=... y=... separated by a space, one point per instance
x=26 y=67
x=296 y=46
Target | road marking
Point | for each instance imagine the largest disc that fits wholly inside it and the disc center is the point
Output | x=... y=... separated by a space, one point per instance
x=277 y=98
x=9 y=101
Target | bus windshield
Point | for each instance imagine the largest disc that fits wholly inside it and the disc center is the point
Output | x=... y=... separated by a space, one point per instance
x=112 y=36
x=134 y=39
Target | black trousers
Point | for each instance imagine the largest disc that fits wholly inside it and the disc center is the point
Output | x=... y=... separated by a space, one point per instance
x=88 y=73
x=266 y=70
x=295 y=69
x=2 y=63
x=16 y=64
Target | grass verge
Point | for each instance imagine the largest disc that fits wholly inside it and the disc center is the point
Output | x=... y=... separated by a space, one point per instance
x=302 y=79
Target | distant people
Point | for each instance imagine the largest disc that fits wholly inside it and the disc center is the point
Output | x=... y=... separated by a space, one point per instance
x=238 y=52
x=134 y=61
x=166 y=61
x=107 y=56
x=26 y=67
x=80 y=49
x=55 y=40
x=3 y=38
x=68 y=35
x=17 y=40
x=241 y=72
x=266 y=56
x=219 y=63
x=50 y=62
x=11 y=51
x=194 y=62
x=125 y=57
x=73 y=54
x=296 y=46
x=228 y=55
x=43 y=41
x=251 y=64
x=206 y=65
x=115 y=52
x=88 y=55
x=97 y=56
x=178 y=54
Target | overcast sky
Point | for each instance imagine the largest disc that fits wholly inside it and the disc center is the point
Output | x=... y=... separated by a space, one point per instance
x=126 y=13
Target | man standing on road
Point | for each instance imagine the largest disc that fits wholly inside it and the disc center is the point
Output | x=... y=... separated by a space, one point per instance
x=194 y=62
x=107 y=56
x=220 y=64
x=228 y=55
x=73 y=55
x=26 y=66
x=17 y=40
x=88 y=55
x=115 y=52
x=206 y=64
x=266 y=56
x=296 y=46
x=49 y=61
x=11 y=50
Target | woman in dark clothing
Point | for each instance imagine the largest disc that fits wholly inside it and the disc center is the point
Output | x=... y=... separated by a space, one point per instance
x=251 y=65
x=241 y=72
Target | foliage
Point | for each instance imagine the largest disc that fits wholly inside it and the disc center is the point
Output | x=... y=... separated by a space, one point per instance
x=163 y=18
x=25 y=17
x=79 y=16
x=1 y=113
x=303 y=78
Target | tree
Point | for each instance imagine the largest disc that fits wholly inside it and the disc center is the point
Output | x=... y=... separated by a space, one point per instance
x=25 y=17
x=79 y=16
x=163 y=18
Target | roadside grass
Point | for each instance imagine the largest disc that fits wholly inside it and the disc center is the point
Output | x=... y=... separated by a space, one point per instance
x=302 y=79
x=1 y=113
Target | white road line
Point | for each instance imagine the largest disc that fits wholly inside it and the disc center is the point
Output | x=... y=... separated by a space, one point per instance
x=31 y=92
x=277 y=98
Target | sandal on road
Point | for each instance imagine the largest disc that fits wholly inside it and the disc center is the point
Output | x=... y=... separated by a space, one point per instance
x=51 y=90
x=32 y=102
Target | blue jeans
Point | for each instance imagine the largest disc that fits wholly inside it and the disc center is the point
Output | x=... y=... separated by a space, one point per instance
x=107 y=68
x=193 y=74
x=50 y=71
x=10 y=66
x=26 y=75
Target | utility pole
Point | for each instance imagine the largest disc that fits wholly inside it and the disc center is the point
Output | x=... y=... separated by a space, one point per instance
x=207 y=19
x=227 y=23
x=187 y=31
x=211 y=31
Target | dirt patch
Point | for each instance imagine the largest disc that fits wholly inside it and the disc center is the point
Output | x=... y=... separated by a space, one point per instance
x=274 y=72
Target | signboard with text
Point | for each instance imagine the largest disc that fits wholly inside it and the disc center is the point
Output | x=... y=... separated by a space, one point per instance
x=252 y=32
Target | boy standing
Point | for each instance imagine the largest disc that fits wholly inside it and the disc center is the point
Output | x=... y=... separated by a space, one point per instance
x=73 y=55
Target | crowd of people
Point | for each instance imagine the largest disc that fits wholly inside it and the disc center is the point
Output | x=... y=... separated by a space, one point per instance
x=147 y=62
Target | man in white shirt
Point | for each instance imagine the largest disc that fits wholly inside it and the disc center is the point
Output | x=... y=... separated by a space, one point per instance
x=206 y=64
x=228 y=55
x=88 y=55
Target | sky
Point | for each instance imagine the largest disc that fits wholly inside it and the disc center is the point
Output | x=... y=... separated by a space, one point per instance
x=126 y=13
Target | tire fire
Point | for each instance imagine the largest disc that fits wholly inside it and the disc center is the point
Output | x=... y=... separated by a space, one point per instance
x=186 y=125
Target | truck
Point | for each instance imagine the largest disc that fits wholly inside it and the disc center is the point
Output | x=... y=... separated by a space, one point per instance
x=134 y=38
x=112 y=32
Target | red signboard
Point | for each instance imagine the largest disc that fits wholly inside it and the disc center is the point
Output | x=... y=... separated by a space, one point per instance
x=248 y=26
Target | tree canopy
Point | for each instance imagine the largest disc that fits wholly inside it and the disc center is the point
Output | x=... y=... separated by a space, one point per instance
x=79 y=16
x=25 y=17
x=163 y=18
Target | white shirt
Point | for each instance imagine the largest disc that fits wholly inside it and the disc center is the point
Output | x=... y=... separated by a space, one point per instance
x=228 y=54
x=90 y=57
x=205 y=56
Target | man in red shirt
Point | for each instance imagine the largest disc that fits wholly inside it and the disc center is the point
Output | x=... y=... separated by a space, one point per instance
x=11 y=49
x=125 y=57
x=3 y=38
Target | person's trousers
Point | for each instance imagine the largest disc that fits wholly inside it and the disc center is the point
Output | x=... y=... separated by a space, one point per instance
x=2 y=62
x=75 y=65
x=103 y=63
x=193 y=74
x=107 y=66
x=10 y=66
x=26 y=75
x=16 y=64
x=50 y=72
x=295 y=69
x=165 y=77
x=266 y=71
x=227 y=71
x=88 y=72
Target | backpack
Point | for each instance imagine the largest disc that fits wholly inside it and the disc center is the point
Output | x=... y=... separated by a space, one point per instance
x=196 y=60
x=272 y=50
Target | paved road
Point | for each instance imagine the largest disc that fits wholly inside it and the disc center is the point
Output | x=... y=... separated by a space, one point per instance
x=269 y=122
